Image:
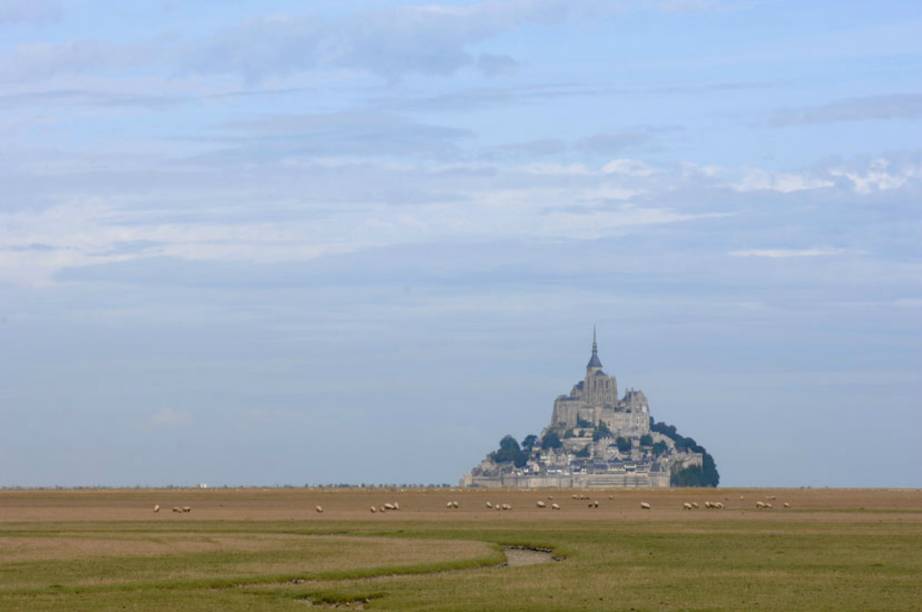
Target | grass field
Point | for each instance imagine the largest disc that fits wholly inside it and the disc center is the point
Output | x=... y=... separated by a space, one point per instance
x=268 y=548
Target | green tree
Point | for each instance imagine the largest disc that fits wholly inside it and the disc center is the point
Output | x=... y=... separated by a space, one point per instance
x=510 y=452
x=624 y=444
x=660 y=448
x=646 y=440
x=529 y=441
x=583 y=452
x=601 y=431
x=551 y=440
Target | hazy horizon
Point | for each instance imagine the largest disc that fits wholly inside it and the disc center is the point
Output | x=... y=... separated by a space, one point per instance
x=277 y=243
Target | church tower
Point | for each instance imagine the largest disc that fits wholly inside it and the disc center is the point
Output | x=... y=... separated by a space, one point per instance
x=600 y=389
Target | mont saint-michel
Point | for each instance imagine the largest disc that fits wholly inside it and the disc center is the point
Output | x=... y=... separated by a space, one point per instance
x=595 y=439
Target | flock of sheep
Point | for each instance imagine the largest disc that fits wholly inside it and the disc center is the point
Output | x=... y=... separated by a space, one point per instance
x=455 y=505
x=177 y=509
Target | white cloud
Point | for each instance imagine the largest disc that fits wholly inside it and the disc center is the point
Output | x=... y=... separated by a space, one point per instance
x=628 y=167
x=785 y=253
x=782 y=182
x=169 y=417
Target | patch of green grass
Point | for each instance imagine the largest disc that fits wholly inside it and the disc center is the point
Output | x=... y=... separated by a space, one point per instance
x=735 y=563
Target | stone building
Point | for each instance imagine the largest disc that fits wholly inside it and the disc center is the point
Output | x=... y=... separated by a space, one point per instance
x=594 y=439
x=594 y=400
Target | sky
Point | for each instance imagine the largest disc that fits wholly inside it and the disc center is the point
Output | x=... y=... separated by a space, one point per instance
x=281 y=242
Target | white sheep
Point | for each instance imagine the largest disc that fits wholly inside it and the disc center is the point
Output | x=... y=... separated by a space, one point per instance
x=396 y=506
x=540 y=504
x=555 y=507
x=373 y=509
x=187 y=509
x=318 y=509
x=388 y=506
x=787 y=505
x=687 y=506
x=177 y=509
x=156 y=507
x=645 y=505
x=489 y=505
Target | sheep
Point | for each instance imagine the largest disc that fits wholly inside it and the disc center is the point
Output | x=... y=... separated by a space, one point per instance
x=396 y=506
x=760 y=505
x=318 y=509
x=611 y=497
x=540 y=504
x=177 y=509
x=497 y=507
x=772 y=497
x=156 y=507
x=450 y=505
x=707 y=505
x=388 y=506
x=575 y=496
x=489 y=506
x=593 y=504
x=555 y=507
x=373 y=509
x=718 y=505
x=787 y=505
x=457 y=505
x=645 y=505
x=550 y=497
x=687 y=506
x=768 y=505
x=507 y=507
x=695 y=505
x=187 y=509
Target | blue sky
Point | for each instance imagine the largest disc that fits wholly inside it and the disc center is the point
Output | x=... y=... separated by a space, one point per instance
x=285 y=242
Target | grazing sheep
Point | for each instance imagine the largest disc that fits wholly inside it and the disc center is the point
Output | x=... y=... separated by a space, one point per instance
x=388 y=506
x=687 y=506
x=645 y=505
x=373 y=509
x=550 y=497
x=760 y=504
x=497 y=507
x=489 y=505
x=772 y=497
x=718 y=505
x=593 y=504
x=396 y=506
x=177 y=509
x=450 y=505
x=555 y=507
x=507 y=507
x=695 y=505
x=187 y=509
x=610 y=497
x=768 y=505
x=707 y=505
x=156 y=507
x=787 y=505
x=540 y=504
x=575 y=496
x=318 y=509
x=457 y=505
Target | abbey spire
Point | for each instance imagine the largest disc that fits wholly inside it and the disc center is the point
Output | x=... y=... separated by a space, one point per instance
x=594 y=361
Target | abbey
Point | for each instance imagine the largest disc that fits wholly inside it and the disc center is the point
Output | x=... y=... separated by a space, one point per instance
x=596 y=439
x=595 y=400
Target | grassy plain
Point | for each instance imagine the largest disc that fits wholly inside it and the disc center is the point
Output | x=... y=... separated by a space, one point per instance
x=267 y=548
